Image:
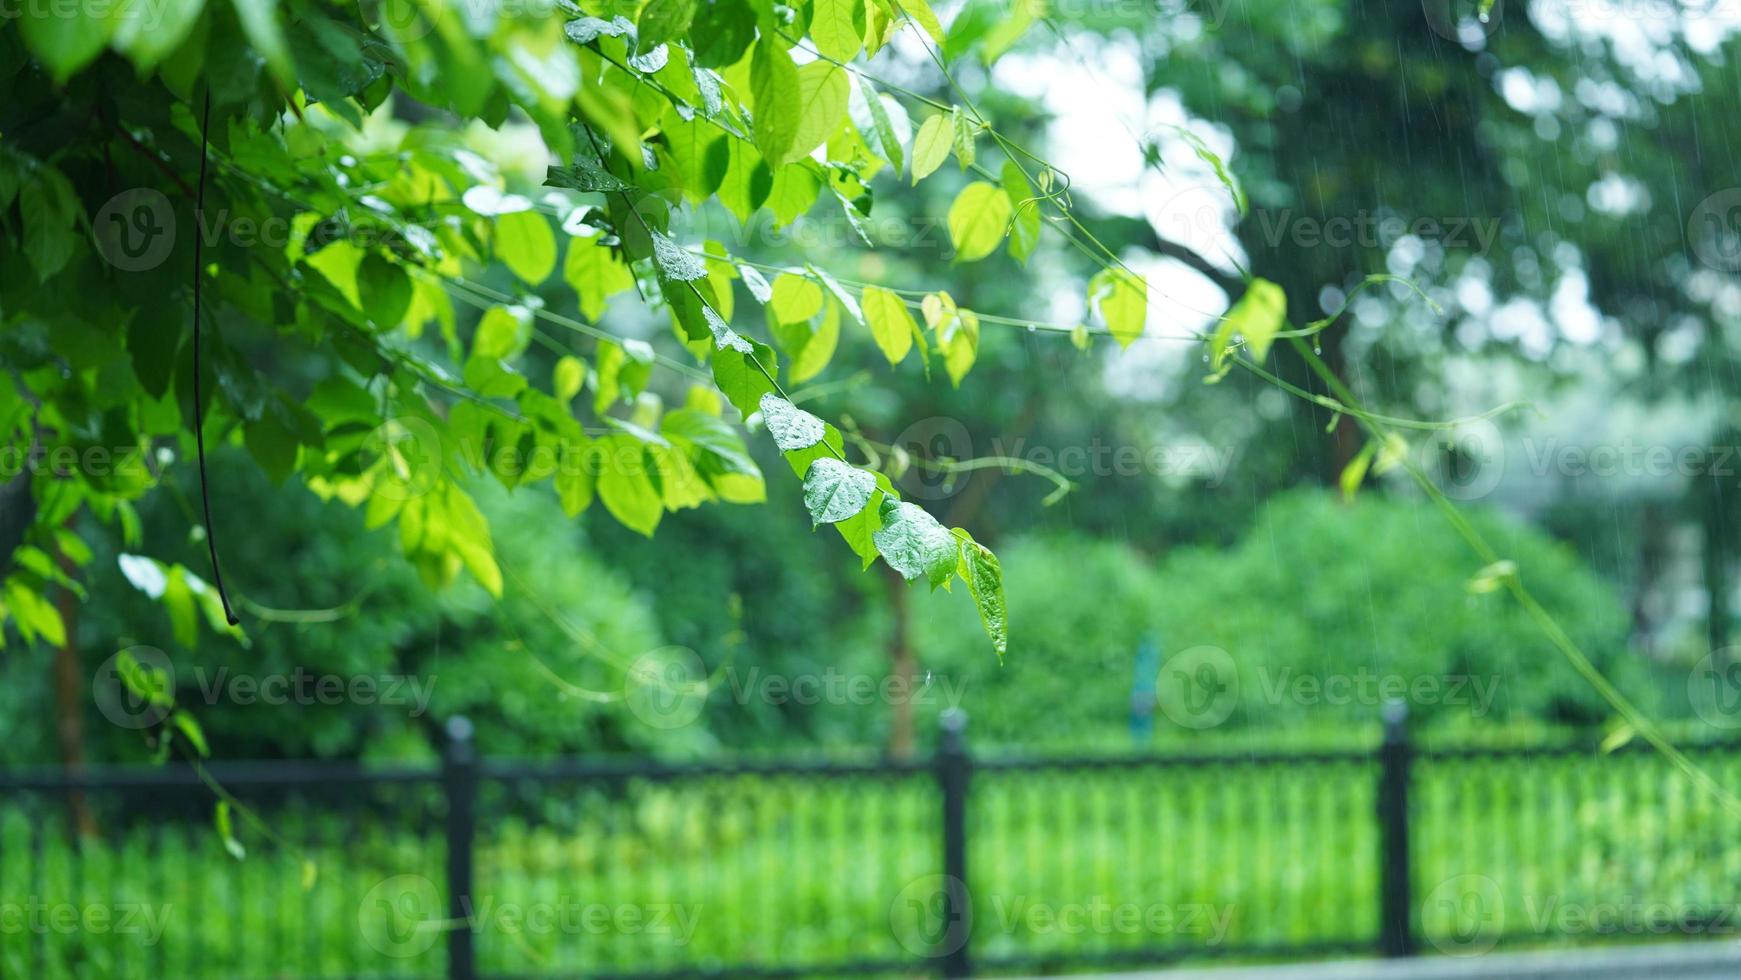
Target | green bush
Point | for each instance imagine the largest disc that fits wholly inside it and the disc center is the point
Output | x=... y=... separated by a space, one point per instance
x=1322 y=609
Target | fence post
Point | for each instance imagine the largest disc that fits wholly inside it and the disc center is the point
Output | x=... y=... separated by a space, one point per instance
x=459 y=783
x=954 y=768
x=1396 y=936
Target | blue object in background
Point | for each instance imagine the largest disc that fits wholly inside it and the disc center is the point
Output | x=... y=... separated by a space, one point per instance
x=1142 y=690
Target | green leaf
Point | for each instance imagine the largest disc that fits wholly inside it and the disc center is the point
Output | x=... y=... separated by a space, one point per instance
x=65 y=37
x=385 y=290
x=663 y=21
x=576 y=473
x=983 y=574
x=722 y=31
x=795 y=298
x=503 y=332
x=835 y=491
x=833 y=30
x=191 y=730
x=1254 y=321
x=1122 y=298
x=921 y=13
x=1355 y=472
x=795 y=189
x=148 y=31
x=526 y=245
x=36 y=616
x=963 y=130
x=697 y=155
x=915 y=545
x=718 y=451
x=823 y=93
x=859 y=531
x=931 y=146
x=891 y=324
x=1008 y=31
x=468 y=536
x=625 y=483
x=145 y=682
x=1025 y=222
x=272 y=445
x=259 y=20
x=977 y=220
x=585 y=30
x=1205 y=154
x=841 y=296
x=154 y=339
x=748 y=179
x=492 y=377
x=957 y=333
x=739 y=378
x=620 y=371
x=676 y=262
x=227 y=832
x=881 y=132
x=1492 y=578
x=567 y=378
x=595 y=274
x=774 y=91
x=819 y=338
x=49 y=208
x=791 y=427
x=724 y=337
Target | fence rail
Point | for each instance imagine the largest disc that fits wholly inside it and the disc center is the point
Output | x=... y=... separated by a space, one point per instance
x=948 y=866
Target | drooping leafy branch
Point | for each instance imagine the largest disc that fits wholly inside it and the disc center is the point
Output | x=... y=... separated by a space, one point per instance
x=330 y=249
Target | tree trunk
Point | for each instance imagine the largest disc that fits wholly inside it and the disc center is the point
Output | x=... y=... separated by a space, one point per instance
x=902 y=666
x=69 y=708
x=1716 y=567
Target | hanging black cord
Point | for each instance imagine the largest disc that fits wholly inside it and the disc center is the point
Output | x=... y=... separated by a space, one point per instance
x=199 y=422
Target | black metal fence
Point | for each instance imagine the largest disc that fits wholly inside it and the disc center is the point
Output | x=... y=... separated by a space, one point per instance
x=950 y=865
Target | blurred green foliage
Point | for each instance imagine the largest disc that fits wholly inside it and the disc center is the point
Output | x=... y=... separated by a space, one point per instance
x=1322 y=608
x=540 y=672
